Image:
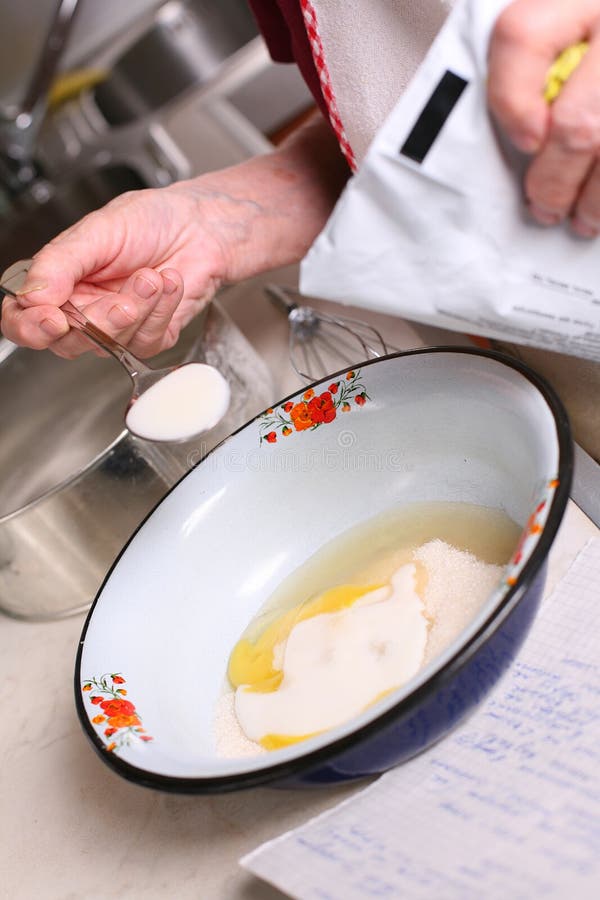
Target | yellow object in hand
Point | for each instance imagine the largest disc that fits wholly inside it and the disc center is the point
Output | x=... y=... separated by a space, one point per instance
x=562 y=69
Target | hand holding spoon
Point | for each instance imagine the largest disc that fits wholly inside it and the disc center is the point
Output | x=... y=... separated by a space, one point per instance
x=171 y=404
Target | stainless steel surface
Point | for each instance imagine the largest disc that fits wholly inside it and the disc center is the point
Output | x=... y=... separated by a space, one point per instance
x=320 y=343
x=70 y=499
x=86 y=145
x=18 y=132
x=82 y=161
x=184 y=48
x=73 y=484
x=101 y=29
x=47 y=65
x=87 y=163
x=48 y=208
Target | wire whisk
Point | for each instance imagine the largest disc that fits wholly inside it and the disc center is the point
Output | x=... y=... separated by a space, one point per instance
x=320 y=343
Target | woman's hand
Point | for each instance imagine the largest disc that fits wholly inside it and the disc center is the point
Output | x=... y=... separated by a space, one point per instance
x=124 y=266
x=146 y=263
x=563 y=179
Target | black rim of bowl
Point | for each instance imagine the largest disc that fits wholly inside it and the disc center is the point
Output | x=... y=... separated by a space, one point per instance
x=321 y=756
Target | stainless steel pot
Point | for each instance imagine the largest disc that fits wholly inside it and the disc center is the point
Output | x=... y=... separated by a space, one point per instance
x=74 y=484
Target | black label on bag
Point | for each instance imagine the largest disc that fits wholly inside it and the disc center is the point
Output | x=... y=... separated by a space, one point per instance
x=431 y=121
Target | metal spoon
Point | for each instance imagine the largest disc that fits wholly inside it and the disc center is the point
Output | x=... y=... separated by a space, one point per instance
x=180 y=401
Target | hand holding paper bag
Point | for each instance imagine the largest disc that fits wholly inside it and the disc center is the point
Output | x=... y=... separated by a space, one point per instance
x=434 y=227
x=564 y=177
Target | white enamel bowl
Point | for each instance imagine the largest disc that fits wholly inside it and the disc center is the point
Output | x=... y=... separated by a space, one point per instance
x=433 y=425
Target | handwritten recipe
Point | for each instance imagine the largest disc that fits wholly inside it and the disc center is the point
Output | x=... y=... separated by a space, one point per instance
x=508 y=806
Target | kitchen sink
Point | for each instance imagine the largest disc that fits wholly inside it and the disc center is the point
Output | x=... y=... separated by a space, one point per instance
x=47 y=209
x=74 y=484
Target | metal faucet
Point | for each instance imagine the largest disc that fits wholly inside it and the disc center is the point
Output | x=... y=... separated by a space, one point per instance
x=19 y=129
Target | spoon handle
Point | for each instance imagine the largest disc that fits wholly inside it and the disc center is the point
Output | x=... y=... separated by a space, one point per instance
x=77 y=319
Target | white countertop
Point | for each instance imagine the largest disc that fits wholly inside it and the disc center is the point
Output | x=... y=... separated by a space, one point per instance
x=70 y=828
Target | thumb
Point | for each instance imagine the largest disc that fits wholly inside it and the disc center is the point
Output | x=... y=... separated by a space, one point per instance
x=48 y=279
x=82 y=251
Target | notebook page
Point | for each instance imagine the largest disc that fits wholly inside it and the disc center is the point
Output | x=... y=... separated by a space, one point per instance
x=508 y=806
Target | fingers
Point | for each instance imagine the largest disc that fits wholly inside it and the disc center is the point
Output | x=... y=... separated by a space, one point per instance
x=558 y=174
x=118 y=313
x=37 y=328
x=562 y=180
x=586 y=216
x=525 y=42
x=554 y=181
x=79 y=253
x=138 y=316
x=35 y=320
x=156 y=331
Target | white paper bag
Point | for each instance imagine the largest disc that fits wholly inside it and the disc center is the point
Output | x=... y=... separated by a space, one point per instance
x=433 y=226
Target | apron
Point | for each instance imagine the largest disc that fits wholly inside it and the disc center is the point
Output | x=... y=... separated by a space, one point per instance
x=365 y=61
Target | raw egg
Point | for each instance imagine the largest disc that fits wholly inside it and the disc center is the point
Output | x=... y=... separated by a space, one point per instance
x=328 y=659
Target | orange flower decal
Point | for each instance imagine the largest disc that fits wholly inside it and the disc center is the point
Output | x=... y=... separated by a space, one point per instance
x=530 y=534
x=313 y=410
x=123 y=721
x=301 y=417
x=118 y=714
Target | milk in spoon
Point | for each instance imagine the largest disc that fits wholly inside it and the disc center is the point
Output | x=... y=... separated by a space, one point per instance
x=189 y=400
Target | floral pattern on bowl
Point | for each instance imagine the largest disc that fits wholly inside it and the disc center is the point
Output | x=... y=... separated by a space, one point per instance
x=117 y=721
x=528 y=539
x=532 y=531
x=312 y=409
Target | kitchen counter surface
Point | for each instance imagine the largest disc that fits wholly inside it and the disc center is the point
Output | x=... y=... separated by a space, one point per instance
x=69 y=827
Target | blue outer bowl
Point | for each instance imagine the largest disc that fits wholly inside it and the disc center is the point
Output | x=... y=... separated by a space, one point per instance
x=414 y=720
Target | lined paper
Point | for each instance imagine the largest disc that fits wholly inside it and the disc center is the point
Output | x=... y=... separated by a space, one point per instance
x=508 y=806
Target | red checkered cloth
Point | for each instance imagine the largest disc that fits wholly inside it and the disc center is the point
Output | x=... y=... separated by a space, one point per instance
x=312 y=29
x=291 y=33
